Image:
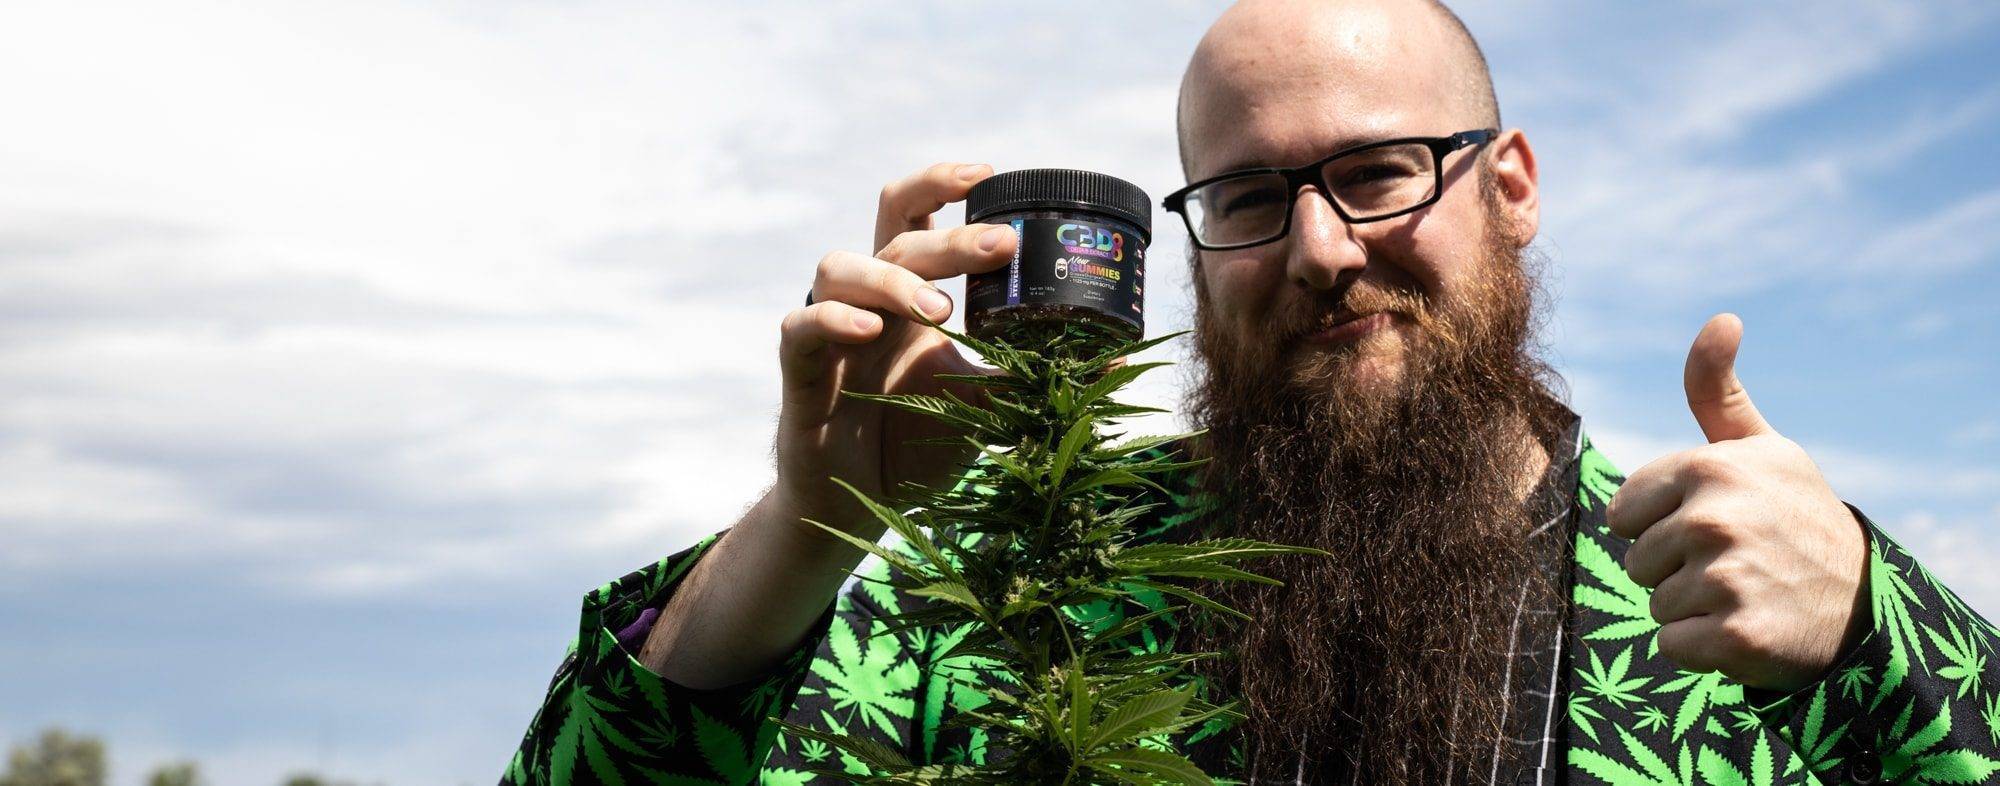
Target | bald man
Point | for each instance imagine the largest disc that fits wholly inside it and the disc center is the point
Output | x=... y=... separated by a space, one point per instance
x=1501 y=607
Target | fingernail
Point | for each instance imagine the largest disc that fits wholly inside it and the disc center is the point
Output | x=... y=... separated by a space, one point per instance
x=990 y=239
x=969 y=171
x=931 y=301
x=865 y=321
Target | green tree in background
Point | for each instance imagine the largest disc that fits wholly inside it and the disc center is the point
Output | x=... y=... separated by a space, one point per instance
x=315 y=779
x=56 y=758
x=179 y=773
x=60 y=758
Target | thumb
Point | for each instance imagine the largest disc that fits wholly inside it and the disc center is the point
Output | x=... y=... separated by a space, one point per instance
x=1715 y=396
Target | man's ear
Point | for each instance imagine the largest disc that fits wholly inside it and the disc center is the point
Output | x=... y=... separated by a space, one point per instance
x=1513 y=163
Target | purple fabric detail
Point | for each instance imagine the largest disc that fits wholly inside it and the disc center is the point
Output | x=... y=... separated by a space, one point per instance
x=635 y=634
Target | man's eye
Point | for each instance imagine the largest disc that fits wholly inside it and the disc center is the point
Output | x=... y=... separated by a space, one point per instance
x=1374 y=173
x=1249 y=200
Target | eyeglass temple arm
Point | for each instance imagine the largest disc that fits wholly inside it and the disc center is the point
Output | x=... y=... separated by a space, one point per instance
x=1477 y=136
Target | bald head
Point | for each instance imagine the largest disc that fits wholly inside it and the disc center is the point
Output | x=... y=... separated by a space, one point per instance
x=1349 y=64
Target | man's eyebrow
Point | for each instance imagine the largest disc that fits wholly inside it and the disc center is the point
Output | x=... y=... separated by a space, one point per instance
x=1255 y=162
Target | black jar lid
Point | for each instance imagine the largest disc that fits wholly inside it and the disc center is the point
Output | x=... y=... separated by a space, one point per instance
x=1060 y=189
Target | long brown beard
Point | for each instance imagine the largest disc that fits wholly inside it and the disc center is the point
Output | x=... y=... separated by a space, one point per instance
x=1386 y=658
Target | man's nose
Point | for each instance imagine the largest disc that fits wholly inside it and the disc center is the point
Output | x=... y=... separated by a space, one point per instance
x=1323 y=248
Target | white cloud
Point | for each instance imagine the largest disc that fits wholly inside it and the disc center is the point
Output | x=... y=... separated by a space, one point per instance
x=1981 y=431
x=1868 y=480
x=39 y=486
x=1675 y=181
x=1965 y=233
x=421 y=264
x=1958 y=549
x=306 y=278
x=1773 y=58
x=1861 y=477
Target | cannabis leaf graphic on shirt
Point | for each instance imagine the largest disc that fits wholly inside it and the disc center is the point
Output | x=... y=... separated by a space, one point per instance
x=1616 y=595
x=1992 y=717
x=1966 y=660
x=1581 y=713
x=1853 y=680
x=1700 y=690
x=1651 y=770
x=1597 y=479
x=1611 y=682
x=1651 y=718
x=722 y=748
x=1911 y=758
x=1815 y=745
x=1893 y=599
x=871 y=682
x=1718 y=770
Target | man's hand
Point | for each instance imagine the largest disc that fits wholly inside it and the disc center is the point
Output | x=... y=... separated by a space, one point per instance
x=760 y=588
x=862 y=334
x=1757 y=568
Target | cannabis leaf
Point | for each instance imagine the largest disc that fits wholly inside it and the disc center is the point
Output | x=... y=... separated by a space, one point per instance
x=1618 y=597
x=1651 y=769
x=1966 y=660
x=1701 y=688
x=1611 y=682
x=1991 y=714
x=1596 y=478
x=1816 y=744
x=722 y=748
x=1893 y=597
x=1853 y=680
x=1910 y=757
x=1580 y=713
x=1651 y=718
x=871 y=681
x=1717 y=769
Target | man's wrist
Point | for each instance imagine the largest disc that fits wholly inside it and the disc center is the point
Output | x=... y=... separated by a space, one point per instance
x=783 y=523
x=780 y=523
x=750 y=598
x=1861 y=618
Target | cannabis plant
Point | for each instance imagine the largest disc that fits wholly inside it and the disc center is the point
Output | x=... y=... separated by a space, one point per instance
x=1044 y=526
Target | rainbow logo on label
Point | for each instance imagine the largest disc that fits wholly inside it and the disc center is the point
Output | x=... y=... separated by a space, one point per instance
x=1095 y=241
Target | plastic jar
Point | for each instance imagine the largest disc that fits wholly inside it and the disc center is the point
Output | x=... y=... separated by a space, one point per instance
x=1080 y=251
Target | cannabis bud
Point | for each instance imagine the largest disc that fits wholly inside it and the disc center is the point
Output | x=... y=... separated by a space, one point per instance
x=1035 y=567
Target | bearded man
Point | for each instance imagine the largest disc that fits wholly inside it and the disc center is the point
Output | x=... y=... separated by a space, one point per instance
x=1492 y=612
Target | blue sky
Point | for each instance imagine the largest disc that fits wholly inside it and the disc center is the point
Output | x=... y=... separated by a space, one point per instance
x=344 y=346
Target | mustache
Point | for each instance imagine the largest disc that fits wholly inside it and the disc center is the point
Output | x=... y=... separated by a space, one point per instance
x=1355 y=301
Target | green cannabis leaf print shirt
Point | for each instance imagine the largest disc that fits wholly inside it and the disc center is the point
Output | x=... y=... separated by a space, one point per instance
x=1916 y=700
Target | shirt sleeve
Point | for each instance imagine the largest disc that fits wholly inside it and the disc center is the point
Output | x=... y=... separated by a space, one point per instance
x=1917 y=699
x=608 y=719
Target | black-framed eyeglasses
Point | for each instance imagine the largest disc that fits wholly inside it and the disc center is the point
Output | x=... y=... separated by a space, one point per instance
x=1365 y=183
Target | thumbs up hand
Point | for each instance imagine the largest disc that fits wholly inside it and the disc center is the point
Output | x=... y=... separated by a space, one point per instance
x=1757 y=568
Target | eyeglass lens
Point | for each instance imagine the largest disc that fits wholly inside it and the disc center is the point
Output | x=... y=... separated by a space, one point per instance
x=1365 y=184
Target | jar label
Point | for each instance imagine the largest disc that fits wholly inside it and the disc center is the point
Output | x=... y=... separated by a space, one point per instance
x=1100 y=265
